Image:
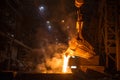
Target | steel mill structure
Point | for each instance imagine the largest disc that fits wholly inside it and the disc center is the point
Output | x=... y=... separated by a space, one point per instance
x=29 y=25
x=109 y=33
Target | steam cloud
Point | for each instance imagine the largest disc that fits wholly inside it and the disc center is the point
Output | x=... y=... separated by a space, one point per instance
x=49 y=55
x=51 y=52
x=50 y=58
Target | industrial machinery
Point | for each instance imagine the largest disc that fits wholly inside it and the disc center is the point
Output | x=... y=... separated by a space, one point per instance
x=79 y=50
x=108 y=39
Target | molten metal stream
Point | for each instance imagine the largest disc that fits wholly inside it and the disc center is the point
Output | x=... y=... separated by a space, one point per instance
x=65 y=63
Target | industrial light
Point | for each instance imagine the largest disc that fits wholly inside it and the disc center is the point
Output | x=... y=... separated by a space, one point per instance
x=73 y=67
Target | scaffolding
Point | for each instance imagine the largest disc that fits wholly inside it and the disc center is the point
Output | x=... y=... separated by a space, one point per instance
x=109 y=34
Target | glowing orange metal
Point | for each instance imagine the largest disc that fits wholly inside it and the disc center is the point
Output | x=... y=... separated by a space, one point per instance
x=65 y=63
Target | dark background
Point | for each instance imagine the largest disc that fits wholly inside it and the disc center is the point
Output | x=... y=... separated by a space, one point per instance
x=27 y=23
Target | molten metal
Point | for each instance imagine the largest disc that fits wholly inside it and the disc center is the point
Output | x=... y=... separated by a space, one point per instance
x=78 y=46
x=65 y=63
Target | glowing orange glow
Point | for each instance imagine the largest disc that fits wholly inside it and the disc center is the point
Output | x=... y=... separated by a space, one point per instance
x=76 y=48
x=65 y=63
x=66 y=57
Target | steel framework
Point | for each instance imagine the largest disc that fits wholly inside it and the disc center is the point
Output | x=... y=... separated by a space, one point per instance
x=109 y=34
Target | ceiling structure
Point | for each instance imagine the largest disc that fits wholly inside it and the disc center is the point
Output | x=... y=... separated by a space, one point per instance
x=29 y=20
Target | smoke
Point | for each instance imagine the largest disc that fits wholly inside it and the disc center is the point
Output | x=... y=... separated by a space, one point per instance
x=50 y=58
x=54 y=42
x=50 y=46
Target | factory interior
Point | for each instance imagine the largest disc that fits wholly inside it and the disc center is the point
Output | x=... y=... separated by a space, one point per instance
x=59 y=40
